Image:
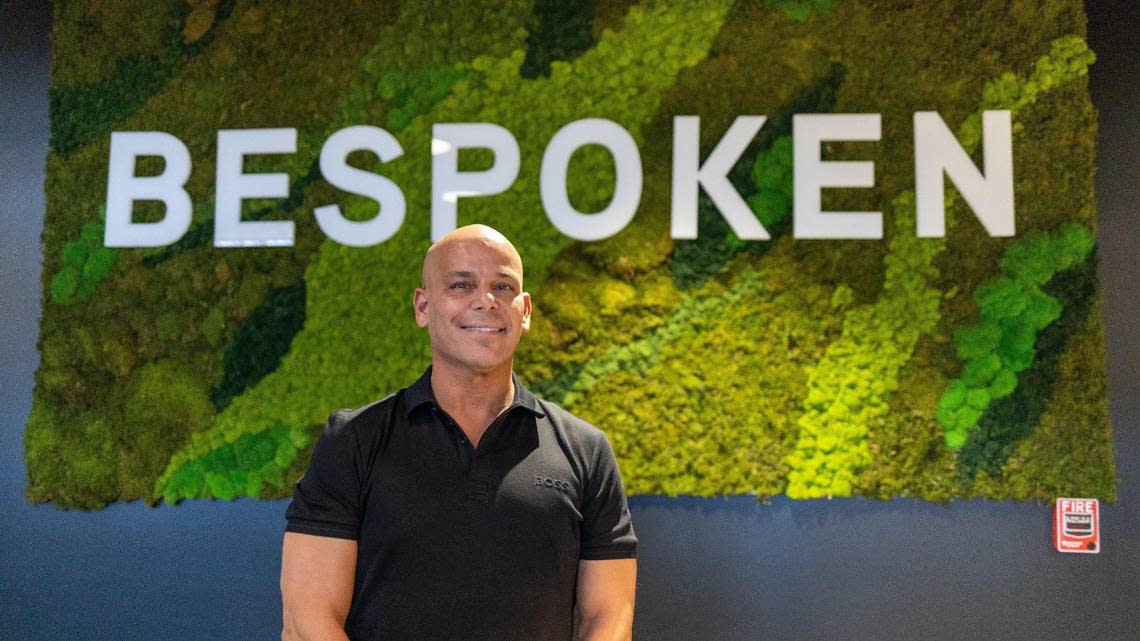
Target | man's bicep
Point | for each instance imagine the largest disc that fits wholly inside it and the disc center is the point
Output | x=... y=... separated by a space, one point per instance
x=605 y=597
x=317 y=575
x=326 y=500
x=607 y=528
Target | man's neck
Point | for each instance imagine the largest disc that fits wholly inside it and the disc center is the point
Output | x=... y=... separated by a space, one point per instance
x=473 y=399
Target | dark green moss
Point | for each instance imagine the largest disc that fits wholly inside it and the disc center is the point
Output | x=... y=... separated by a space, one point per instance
x=559 y=30
x=1013 y=309
x=82 y=112
x=694 y=261
x=260 y=342
x=1009 y=420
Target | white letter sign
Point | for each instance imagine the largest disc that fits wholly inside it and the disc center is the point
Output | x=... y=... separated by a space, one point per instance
x=124 y=187
x=336 y=170
x=234 y=186
x=937 y=150
x=811 y=174
x=627 y=179
x=688 y=175
x=448 y=184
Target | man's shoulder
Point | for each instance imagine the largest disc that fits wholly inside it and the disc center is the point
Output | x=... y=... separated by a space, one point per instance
x=584 y=444
x=575 y=428
x=364 y=417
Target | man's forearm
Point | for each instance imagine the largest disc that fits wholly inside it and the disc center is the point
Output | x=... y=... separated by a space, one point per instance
x=606 y=590
x=616 y=626
x=313 y=630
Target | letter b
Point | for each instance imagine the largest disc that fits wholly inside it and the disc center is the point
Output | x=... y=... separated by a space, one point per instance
x=124 y=188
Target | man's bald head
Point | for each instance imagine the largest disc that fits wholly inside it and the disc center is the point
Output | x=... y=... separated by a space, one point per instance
x=472 y=302
x=453 y=241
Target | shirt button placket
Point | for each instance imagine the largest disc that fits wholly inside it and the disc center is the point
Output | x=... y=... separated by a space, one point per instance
x=478 y=485
x=465 y=456
x=465 y=448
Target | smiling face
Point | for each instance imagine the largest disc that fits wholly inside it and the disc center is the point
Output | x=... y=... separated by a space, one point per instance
x=472 y=302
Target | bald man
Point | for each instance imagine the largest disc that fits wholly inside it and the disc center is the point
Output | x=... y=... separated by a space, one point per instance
x=463 y=506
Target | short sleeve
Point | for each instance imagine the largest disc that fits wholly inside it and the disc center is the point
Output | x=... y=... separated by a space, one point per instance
x=607 y=530
x=326 y=500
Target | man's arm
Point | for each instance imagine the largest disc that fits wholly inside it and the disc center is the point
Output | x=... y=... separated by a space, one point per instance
x=317 y=574
x=605 y=599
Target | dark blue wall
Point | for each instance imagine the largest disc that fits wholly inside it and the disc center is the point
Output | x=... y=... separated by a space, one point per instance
x=710 y=568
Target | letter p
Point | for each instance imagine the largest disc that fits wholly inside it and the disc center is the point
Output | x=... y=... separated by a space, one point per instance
x=448 y=184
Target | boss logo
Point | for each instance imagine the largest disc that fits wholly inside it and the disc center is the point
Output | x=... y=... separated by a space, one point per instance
x=549 y=482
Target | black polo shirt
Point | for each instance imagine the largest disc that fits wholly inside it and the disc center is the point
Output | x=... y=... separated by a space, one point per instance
x=456 y=542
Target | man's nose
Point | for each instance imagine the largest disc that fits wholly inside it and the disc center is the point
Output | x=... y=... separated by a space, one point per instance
x=485 y=300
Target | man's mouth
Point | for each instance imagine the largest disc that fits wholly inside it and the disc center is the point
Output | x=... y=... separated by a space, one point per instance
x=483 y=329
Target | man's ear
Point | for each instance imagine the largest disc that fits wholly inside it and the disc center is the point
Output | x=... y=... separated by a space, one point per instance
x=420 y=303
x=526 y=312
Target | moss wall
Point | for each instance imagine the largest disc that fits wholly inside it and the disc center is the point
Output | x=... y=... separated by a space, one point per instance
x=716 y=366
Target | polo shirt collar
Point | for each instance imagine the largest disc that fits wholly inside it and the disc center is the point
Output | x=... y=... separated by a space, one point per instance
x=420 y=392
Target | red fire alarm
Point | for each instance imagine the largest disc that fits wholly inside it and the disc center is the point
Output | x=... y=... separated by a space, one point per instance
x=1076 y=526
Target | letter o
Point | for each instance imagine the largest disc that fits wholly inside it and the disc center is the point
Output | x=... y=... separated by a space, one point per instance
x=627 y=187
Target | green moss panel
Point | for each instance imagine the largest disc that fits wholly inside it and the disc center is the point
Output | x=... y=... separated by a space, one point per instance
x=811 y=368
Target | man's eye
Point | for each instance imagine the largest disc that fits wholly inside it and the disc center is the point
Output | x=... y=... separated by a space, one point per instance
x=461 y=285
x=504 y=287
